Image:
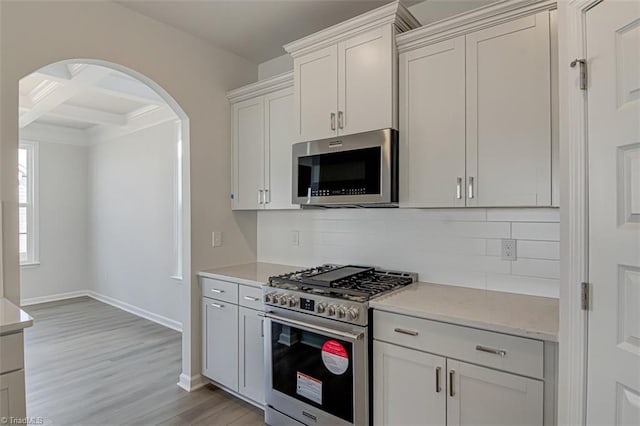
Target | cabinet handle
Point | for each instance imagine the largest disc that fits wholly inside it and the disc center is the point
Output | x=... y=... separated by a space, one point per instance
x=267 y=196
x=215 y=290
x=459 y=189
x=340 y=120
x=438 y=387
x=471 y=187
x=452 y=392
x=217 y=305
x=333 y=120
x=251 y=299
x=262 y=328
x=491 y=350
x=403 y=331
x=260 y=192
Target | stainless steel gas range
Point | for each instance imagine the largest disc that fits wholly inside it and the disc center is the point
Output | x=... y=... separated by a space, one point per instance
x=317 y=343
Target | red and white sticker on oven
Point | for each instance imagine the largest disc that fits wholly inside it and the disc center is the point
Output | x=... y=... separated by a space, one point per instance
x=335 y=357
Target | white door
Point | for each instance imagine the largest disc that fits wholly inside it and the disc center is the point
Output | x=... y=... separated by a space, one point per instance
x=278 y=108
x=220 y=337
x=613 y=58
x=409 y=387
x=482 y=396
x=432 y=125
x=251 y=351
x=509 y=114
x=365 y=82
x=247 y=154
x=12 y=395
x=316 y=94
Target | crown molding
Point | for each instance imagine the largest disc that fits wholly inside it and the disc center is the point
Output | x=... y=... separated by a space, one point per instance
x=262 y=87
x=40 y=132
x=476 y=19
x=393 y=13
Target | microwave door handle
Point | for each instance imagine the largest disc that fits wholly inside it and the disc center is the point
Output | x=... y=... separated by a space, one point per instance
x=314 y=327
x=309 y=195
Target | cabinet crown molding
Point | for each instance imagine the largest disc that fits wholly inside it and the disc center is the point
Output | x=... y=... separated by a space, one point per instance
x=261 y=87
x=476 y=19
x=393 y=13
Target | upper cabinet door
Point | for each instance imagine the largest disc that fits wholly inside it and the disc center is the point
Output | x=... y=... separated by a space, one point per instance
x=366 y=95
x=509 y=114
x=248 y=146
x=279 y=138
x=482 y=396
x=316 y=94
x=432 y=125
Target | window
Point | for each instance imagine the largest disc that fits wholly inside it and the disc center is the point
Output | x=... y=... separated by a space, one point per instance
x=27 y=202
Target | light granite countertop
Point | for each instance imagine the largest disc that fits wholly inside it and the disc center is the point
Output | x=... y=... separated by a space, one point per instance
x=255 y=274
x=516 y=314
x=12 y=318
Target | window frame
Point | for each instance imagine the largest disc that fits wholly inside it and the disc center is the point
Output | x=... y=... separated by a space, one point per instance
x=33 y=217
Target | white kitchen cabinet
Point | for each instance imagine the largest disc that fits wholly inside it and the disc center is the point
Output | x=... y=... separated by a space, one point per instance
x=432 y=136
x=482 y=396
x=12 y=395
x=262 y=135
x=409 y=386
x=220 y=342
x=476 y=112
x=346 y=76
x=509 y=114
x=251 y=354
x=316 y=94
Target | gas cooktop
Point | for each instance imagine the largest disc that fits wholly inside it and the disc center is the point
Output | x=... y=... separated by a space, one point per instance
x=351 y=282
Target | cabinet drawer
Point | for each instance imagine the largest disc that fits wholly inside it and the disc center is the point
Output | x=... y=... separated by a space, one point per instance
x=496 y=350
x=221 y=290
x=251 y=297
x=11 y=352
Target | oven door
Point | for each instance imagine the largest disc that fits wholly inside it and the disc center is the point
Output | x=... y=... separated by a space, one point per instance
x=316 y=369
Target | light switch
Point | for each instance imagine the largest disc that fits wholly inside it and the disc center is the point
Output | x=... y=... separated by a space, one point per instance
x=295 y=238
x=216 y=238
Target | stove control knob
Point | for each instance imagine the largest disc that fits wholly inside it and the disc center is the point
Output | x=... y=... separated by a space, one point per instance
x=292 y=301
x=268 y=298
x=342 y=312
x=283 y=299
x=331 y=310
x=275 y=298
x=353 y=314
x=321 y=308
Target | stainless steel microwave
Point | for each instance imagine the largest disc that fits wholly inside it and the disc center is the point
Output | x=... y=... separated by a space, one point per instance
x=354 y=170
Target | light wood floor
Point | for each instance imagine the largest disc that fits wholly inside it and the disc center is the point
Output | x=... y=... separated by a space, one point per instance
x=90 y=363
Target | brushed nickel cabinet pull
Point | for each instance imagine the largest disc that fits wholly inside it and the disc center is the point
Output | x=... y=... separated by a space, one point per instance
x=438 y=387
x=260 y=192
x=499 y=352
x=340 y=120
x=217 y=305
x=215 y=290
x=459 y=189
x=251 y=299
x=407 y=332
x=452 y=392
x=471 y=190
x=333 y=120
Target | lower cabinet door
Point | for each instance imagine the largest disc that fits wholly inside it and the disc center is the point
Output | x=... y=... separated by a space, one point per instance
x=251 y=374
x=482 y=396
x=12 y=395
x=409 y=387
x=220 y=342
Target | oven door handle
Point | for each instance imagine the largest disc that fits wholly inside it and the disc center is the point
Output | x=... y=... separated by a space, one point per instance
x=318 y=328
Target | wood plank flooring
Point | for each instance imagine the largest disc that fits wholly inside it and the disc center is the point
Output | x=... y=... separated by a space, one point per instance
x=91 y=363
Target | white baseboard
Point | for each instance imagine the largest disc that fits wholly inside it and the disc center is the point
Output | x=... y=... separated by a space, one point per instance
x=53 y=297
x=167 y=322
x=191 y=383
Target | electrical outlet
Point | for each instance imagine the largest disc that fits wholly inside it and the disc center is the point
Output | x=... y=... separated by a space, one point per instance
x=509 y=250
x=216 y=238
x=295 y=238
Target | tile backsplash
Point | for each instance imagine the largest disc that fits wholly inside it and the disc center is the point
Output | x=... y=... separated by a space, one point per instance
x=457 y=247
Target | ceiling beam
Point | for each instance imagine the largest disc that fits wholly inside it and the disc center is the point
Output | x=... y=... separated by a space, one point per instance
x=77 y=113
x=64 y=91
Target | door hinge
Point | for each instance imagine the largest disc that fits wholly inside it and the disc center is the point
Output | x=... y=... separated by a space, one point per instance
x=585 y=296
x=583 y=71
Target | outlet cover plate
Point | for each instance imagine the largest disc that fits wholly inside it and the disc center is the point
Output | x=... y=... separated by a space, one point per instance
x=509 y=248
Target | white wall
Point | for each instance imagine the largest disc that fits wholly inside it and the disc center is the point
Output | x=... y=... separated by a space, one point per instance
x=457 y=247
x=195 y=74
x=275 y=66
x=430 y=11
x=63 y=223
x=131 y=225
